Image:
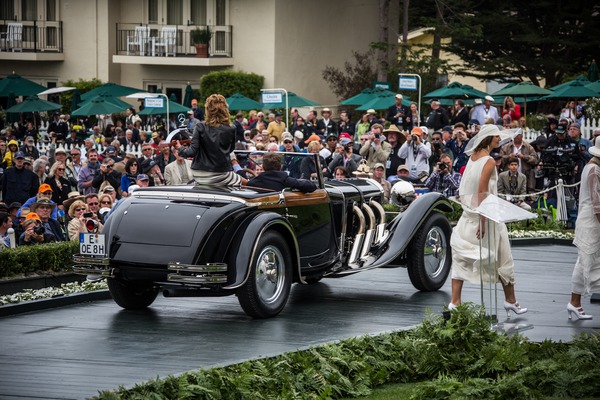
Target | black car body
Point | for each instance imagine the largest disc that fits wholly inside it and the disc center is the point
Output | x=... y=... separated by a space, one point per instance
x=207 y=241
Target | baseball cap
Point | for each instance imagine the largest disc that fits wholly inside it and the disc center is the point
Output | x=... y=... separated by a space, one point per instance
x=575 y=125
x=298 y=134
x=190 y=112
x=34 y=216
x=417 y=131
x=29 y=139
x=399 y=96
x=561 y=128
x=286 y=136
x=110 y=149
x=371 y=111
x=447 y=128
x=312 y=138
x=378 y=165
x=44 y=187
x=345 y=135
x=142 y=177
x=345 y=141
x=478 y=101
x=402 y=168
x=19 y=154
x=60 y=150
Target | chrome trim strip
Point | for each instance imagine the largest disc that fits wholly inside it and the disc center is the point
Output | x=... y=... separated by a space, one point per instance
x=193 y=268
x=188 y=196
x=197 y=279
x=83 y=259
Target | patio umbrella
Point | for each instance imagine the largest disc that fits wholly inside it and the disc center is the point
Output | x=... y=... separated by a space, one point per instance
x=111 y=88
x=12 y=100
x=359 y=99
x=238 y=101
x=575 y=89
x=581 y=78
x=189 y=93
x=595 y=86
x=173 y=97
x=105 y=96
x=383 y=101
x=33 y=104
x=593 y=72
x=174 y=107
x=293 y=101
x=455 y=90
x=523 y=89
x=19 y=86
x=75 y=99
x=97 y=106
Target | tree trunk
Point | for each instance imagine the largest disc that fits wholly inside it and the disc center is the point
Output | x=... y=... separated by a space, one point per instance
x=383 y=45
x=404 y=36
x=437 y=42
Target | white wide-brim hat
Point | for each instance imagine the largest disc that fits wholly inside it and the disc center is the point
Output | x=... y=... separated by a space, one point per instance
x=595 y=150
x=506 y=135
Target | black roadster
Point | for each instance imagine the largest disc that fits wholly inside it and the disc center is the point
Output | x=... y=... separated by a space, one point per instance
x=206 y=241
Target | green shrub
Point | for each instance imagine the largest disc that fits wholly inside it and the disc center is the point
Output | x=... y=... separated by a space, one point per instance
x=45 y=257
x=227 y=83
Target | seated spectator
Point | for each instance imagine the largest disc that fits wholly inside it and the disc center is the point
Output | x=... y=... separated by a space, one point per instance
x=402 y=173
x=273 y=179
x=43 y=208
x=308 y=167
x=5 y=224
x=33 y=232
x=106 y=204
x=340 y=172
x=513 y=183
x=379 y=176
x=59 y=183
x=151 y=168
x=444 y=179
x=44 y=192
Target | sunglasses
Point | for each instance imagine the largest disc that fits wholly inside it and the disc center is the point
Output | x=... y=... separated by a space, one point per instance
x=93 y=204
x=147 y=150
x=332 y=140
x=80 y=209
x=105 y=202
x=60 y=169
x=287 y=141
x=75 y=154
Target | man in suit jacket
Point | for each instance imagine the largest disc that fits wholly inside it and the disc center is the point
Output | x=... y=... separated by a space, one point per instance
x=273 y=179
x=399 y=114
x=526 y=157
x=461 y=114
x=512 y=182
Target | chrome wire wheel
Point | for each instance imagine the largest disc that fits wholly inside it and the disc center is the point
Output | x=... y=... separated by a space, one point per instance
x=435 y=252
x=270 y=274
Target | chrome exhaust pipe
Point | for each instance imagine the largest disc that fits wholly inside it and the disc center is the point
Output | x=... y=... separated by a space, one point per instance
x=358 y=239
x=382 y=233
x=370 y=235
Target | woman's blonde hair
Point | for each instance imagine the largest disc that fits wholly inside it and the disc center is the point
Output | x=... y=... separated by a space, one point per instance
x=76 y=204
x=216 y=110
x=54 y=167
x=105 y=195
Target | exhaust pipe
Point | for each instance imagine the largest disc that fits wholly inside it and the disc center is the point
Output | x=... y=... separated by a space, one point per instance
x=359 y=239
x=382 y=233
x=370 y=235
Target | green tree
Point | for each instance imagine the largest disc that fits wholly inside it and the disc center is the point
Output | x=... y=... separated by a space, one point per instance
x=227 y=83
x=354 y=77
x=83 y=86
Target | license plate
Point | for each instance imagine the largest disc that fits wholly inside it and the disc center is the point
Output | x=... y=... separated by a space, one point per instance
x=92 y=244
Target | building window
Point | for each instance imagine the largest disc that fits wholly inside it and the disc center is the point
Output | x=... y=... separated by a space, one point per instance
x=153 y=11
x=174 y=12
x=7 y=10
x=197 y=12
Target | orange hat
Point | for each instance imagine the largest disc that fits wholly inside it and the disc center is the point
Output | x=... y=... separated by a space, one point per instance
x=44 y=187
x=194 y=101
x=313 y=138
x=34 y=216
x=417 y=131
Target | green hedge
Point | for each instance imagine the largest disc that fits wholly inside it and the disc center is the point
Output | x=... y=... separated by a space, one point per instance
x=44 y=257
x=227 y=83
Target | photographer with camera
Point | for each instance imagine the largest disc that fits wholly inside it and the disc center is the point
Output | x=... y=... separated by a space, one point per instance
x=347 y=158
x=513 y=183
x=457 y=145
x=559 y=158
x=416 y=153
x=443 y=179
x=375 y=149
x=43 y=208
x=33 y=232
x=107 y=174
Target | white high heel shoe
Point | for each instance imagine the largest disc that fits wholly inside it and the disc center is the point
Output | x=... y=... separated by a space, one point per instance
x=578 y=311
x=452 y=306
x=516 y=308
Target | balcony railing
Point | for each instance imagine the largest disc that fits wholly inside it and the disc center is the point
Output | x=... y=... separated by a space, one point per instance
x=31 y=36
x=155 y=40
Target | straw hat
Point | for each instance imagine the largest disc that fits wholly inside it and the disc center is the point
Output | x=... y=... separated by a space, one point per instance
x=71 y=197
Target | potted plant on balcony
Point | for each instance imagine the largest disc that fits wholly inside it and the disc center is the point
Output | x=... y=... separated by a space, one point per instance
x=200 y=39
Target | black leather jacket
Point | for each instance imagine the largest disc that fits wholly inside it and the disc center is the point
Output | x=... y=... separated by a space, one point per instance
x=211 y=148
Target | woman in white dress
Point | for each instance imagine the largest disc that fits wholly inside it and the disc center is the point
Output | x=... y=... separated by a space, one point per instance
x=479 y=178
x=586 y=274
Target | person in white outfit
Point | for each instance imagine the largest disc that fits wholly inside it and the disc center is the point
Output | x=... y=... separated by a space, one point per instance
x=586 y=274
x=416 y=153
x=486 y=111
x=480 y=179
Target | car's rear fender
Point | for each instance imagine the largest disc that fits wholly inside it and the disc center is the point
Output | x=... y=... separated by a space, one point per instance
x=252 y=233
x=404 y=226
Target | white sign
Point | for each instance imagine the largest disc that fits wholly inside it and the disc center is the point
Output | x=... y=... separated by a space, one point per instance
x=92 y=244
x=154 y=102
x=271 y=98
x=407 y=83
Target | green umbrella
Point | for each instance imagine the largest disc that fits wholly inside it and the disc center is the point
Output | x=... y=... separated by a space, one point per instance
x=173 y=97
x=174 y=107
x=19 y=86
x=189 y=93
x=593 y=72
x=97 y=107
x=359 y=99
x=238 y=101
x=523 y=89
x=575 y=89
x=34 y=104
x=12 y=100
x=112 y=89
x=293 y=101
x=582 y=79
x=105 y=96
x=455 y=90
x=595 y=86
x=76 y=99
x=382 y=101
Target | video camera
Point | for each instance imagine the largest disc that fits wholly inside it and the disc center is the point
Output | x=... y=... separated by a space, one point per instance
x=558 y=162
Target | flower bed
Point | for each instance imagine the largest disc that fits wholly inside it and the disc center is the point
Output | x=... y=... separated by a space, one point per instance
x=49 y=292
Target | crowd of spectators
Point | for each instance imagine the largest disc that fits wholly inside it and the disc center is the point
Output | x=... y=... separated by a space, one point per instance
x=50 y=196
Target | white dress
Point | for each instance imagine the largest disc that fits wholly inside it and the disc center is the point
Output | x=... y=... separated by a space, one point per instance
x=586 y=274
x=467 y=254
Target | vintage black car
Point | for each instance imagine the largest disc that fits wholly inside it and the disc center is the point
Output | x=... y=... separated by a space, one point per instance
x=205 y=241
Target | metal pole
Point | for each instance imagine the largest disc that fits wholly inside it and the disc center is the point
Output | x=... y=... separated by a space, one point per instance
x=287 y=111
x=420 y=85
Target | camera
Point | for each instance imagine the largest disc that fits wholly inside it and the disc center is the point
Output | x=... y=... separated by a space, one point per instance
x=347 y=148
x=377 y=136
x=40 y=230
x=88 y=215
x=443 y=166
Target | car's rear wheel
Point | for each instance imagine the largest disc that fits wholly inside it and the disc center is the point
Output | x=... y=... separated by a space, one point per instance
x=429 y=258
x=132 y=296
x=267 y=289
